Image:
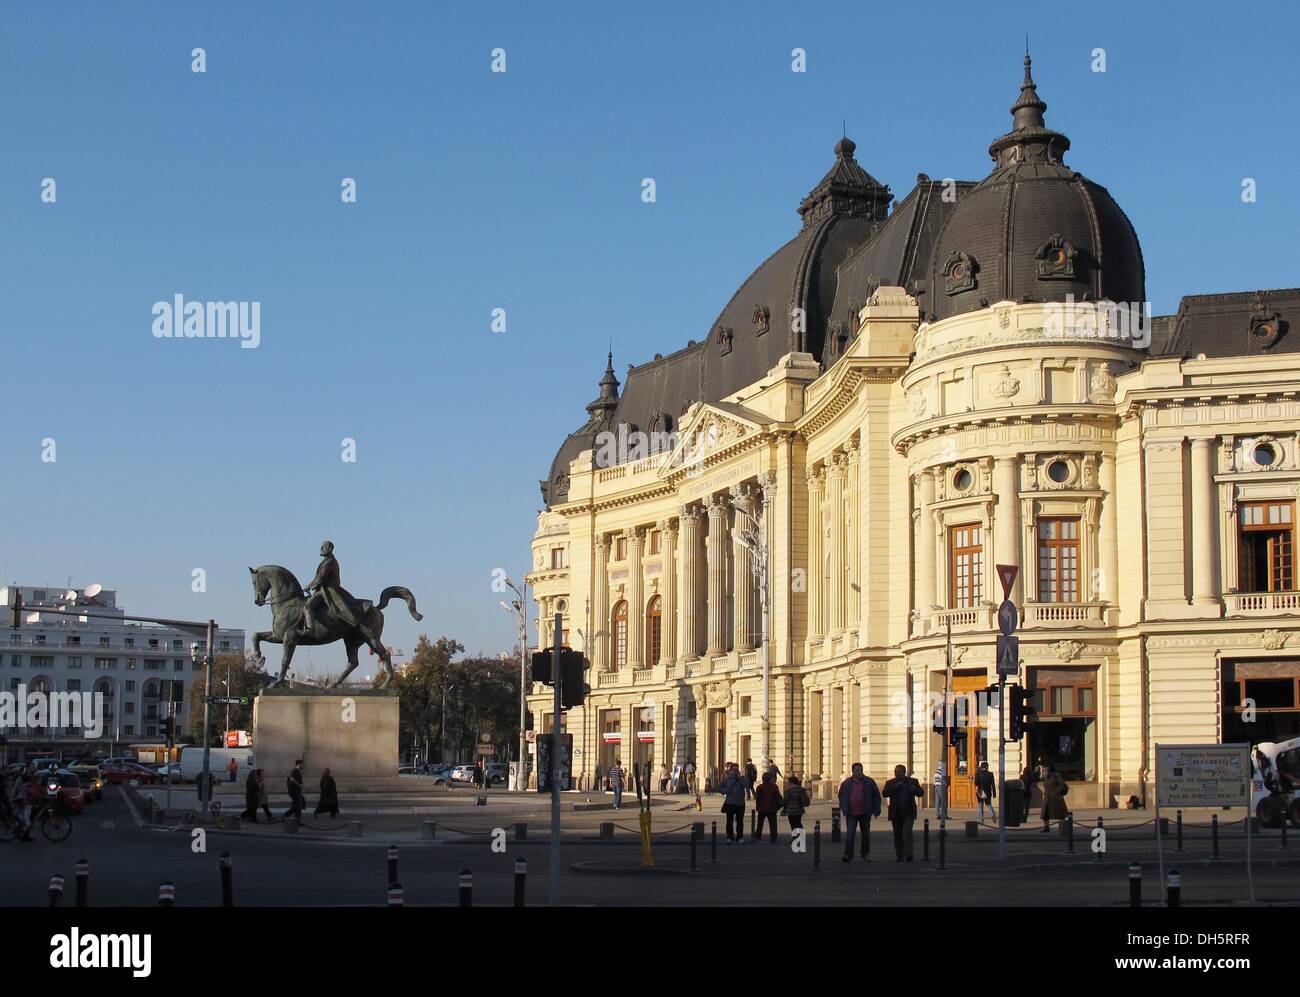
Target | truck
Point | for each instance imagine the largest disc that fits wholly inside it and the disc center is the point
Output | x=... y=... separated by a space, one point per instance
x=1276 y=782
x=191 y=763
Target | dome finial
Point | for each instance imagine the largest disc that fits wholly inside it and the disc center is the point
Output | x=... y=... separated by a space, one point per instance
x=605 y=404
x=1029 y=140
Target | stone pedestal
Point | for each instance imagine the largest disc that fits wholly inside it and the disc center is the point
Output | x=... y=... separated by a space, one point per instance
x=353 y=733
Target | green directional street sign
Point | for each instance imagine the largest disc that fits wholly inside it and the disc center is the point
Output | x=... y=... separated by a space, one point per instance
x=229 y=700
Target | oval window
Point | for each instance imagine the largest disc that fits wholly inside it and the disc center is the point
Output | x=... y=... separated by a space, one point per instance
x=962 y=480
x=1265 y=455
x=1058 y=471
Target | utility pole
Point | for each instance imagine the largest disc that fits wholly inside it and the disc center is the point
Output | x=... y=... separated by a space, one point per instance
x=520 y=606
x=207 y=707
x=1008 y=659
x=553 y=776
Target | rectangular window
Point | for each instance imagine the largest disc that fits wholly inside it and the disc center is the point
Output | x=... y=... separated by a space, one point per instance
x=72 y=641
x=153 y=641
x=42 y=661
x=744 y=706
x=105 y=664
x=178 y=664
x=16 y=660
x=155 y=665
x=1058 y=560
x=130 y=664
x=130 y=707
x=966 y=565
x=1266 y=559
x=130 y=642
x=103 y=642
x=557 y=558
x=129 y=730
x=74 y=661
x=620 y=549
x=654 y=542
x=130 y=685
x=74 y=685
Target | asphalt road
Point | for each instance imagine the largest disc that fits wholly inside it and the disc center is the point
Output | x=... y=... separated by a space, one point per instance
x=127 y=863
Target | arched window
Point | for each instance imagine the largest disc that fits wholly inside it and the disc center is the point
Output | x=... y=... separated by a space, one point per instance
x=653 y=631
x=618 y=636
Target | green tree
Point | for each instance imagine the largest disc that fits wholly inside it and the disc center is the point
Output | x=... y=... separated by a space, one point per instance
x=246 y=677
x=420 y=685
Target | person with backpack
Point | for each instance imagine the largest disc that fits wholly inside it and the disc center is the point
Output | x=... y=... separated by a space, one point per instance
x=751 y=777
x=902 y=792
x=767 y=801
x=294 y=786
x=797 y=800
x=733 y=789
x=985 y=790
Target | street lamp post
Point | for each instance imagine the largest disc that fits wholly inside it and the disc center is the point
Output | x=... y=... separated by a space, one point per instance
x=947 y=685
x=520 y=606
x=443 y=731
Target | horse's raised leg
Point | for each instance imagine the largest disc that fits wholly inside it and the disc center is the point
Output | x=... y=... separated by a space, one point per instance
x=263 y=635
x=351 y=644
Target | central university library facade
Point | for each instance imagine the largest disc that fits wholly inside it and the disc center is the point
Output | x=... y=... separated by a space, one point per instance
x=901 y=397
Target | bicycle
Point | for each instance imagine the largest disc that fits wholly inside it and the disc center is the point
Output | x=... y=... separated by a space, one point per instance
x=54 y=826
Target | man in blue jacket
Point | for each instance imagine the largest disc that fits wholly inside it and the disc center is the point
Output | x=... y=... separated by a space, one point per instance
x=859 y=802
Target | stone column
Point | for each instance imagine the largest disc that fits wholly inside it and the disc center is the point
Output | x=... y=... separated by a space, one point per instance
x=1205 y=561
x=600 y=623
x=853 y=540
x=836 y=597
x=668 y=593
x=688 y=564
x=816 y=483
x=635 y=601
x=1108 y=590
x=717 y=632
x=1006 y=523
x=744 y=501
x=925 y=545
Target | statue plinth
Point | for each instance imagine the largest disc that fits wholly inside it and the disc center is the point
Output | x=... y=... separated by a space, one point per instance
x=353 y=733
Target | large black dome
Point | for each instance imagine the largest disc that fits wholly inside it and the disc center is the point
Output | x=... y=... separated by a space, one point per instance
x=1034 y=229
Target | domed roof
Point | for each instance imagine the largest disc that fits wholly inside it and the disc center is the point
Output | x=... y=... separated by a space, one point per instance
x=1034 y=229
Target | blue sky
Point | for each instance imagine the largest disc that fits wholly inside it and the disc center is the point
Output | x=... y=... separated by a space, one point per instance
x=479 y=191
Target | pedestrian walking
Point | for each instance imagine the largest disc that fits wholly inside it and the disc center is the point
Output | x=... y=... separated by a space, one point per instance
x=250 y=797
x=733 y=789
x=767 y=801
x=263 y=800
x=985 y=790
x=751 y=778
x=859 y=802
x=941 y=782
x=1054 y=790
x=797 y=800
x=329 y=796
x=690 y=777
x=294 y=785
x=902 y=791
x=664 y=778
x=233 y=769
x=1027 y=779
x=615 y=776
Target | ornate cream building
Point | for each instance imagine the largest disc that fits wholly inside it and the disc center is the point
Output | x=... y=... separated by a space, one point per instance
x=902 y=397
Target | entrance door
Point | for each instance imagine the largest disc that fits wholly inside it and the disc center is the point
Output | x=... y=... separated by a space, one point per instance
x=964 y=757
x=717 y=744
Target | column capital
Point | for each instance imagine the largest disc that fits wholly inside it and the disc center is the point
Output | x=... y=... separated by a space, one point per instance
x=816 y=475
x=635 y=535
x=667 y=527
x=853 y=451
x=839 y=464
x=717 y=504
x=690 y=514
x=601 y=542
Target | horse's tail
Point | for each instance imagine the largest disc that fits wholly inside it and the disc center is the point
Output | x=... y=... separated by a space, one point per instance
x=398 y=592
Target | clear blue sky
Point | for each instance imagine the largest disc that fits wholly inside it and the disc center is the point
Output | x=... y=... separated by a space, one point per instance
x=478 y=191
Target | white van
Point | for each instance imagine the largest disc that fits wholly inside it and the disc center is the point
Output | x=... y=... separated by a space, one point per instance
x=191 y=763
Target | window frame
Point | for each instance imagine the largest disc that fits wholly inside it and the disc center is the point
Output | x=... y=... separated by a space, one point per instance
x=1051 y=587
x=972 y=574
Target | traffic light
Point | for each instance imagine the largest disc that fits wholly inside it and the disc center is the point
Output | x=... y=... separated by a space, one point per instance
x=16 y=612
x=573 y=689
x=1021 y=712
x=169 y=729
x=542 y=666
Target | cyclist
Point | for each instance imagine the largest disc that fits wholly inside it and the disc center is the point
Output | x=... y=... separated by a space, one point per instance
x=35 y=794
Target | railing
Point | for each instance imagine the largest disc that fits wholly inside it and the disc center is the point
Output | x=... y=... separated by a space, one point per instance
x=610 y=474
x=670 y=670
x=606 y=678
x=748 y=659
x=1262 y=603
x=643 y=676
x=1051 y=614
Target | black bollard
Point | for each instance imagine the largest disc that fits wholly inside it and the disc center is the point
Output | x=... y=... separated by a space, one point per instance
x=925 y=842
x=835 y=825
x=1173 y=889
x=392 y=863
x=1069 y=835
x=817 y=845
x=1214 y=834
x=713 y=843
x=521 y=831
x=694 y=838
x=1284 y=835
x=1135 y=884
x=1101 y=854
x=1179 y=830
x=56 y=890
x=466 y=883
x=227 y=880
x=396 y=895
x=943 y=845
x=521 y=876
x=166 y=895
x=753 y=824
x=83 y=881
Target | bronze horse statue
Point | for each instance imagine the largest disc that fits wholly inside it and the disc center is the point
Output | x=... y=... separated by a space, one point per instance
x=280 y=587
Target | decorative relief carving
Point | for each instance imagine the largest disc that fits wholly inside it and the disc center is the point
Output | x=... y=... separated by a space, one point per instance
x=1067 y=650
x=917 y=402
x=762 y=317
x=1102 y=385
x=1274 y=640
x=1003 y=384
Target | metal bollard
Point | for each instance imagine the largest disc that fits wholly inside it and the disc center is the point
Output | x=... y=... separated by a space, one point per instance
x=972 y=829
x=943 y=845
x=1284 y=835
x=835 y=825
x=606 y=831
x=817 y=845
x=428 y=829
x=693 y=840
x=396 y=895
x=1069 y=835
x=1163 y=830
x=83 y=881
x=713 y=843
x=1135 y=884
x=521 y=831
x=466 y=883
x=56 y=890
x=354 y=829
x=753 y=824
x=392 y=863
x=1179 y=829
x=521 y=876
x=291 y=825
x=1214 y=834
x=166 y=894
x=1173 y=889
x=925 y=842
x=1101 y=855
x=227 y=880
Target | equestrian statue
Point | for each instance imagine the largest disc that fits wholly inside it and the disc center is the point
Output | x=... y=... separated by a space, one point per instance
x=322 y=613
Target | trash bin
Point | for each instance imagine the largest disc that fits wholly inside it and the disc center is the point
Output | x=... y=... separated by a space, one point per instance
x=1013 y=802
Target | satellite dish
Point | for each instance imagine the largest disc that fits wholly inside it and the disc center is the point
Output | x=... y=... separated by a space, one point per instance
x=70 y=595
x=93 y=590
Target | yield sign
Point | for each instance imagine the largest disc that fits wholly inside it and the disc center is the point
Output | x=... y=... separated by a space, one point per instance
x=1007 y=576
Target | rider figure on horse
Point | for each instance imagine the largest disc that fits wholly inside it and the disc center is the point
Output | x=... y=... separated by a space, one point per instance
x=325 y=589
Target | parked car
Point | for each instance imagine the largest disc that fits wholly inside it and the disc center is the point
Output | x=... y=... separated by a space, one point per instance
x=440 y=774
x=462 y=773
x=171 y=769
x=496 y=773
x=66 y=787
x=409 y=770
x=92 y=780
x=120 y=772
